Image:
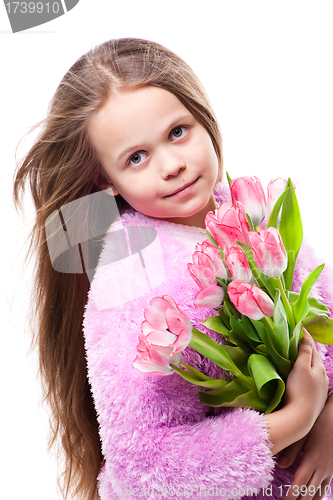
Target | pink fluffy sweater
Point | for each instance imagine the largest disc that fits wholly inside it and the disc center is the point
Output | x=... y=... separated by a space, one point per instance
x=158 y=440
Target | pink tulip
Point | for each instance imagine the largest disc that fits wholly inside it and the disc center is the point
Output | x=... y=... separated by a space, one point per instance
x=228 y=225
x=207 y=265
x=156 y=362
x=274 y=190
x=250 y=300
x=210 y=296
x=268 y=251
x=237 y=264
x=249 y=191
x=164 y=334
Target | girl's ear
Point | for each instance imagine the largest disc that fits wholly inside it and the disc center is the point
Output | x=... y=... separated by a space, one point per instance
x=105 y=185
x=110 y=190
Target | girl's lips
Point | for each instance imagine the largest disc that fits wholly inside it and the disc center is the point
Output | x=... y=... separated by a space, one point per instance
x=184 y=191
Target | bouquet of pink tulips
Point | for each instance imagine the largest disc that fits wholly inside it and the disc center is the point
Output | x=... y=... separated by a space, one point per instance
x=246 y=274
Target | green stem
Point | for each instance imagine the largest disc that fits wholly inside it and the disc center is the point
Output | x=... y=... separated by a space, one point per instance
x=286 y=305
x=231 y=306
x=194 y=371
x=203 y=344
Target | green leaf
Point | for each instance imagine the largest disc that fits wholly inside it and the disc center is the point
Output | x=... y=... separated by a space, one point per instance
x=224 y=318
x=216 y=324
x=280 y=328
x=237 y=328
x=294 y=341
x=239 y=337
x=222 y=283
x=228 y=178
x=239 y=357
x=234 y=339
x=250 y=330
x=199 y=375
x=262 y=349
x=273 y=219
x=213 y=351
x=320 y=328
x=212 y=239
x=211 y=383
x=282 y=364
x=264 y=373
x=291 y=231
x=301 y=306
x=237 y=354
x=315 y=306
x=250 y=223
x=235 y=394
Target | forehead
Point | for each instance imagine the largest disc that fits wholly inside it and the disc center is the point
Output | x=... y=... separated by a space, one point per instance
x=134 y=116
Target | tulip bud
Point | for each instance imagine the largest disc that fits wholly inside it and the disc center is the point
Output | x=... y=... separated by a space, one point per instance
x=208 y=255
x=249 y=192
x=268 y=251
x=274 y=190
x=237 y=264
x=250 y=300
x=228 y=225
x=211 y=297
x=165 y=332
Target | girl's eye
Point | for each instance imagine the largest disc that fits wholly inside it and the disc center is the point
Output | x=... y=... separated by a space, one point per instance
x=177 y=132
x=138 y=158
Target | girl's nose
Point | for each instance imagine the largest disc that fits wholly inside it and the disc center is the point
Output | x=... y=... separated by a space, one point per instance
x=171 y=166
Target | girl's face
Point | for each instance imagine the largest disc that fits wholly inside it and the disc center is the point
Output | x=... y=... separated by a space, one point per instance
x=157 y=155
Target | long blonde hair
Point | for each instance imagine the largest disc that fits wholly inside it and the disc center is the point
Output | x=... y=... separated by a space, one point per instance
x=61 y=167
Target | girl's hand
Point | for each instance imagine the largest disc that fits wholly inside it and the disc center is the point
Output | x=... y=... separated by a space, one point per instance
x=304 y=399
x=307 y=382
x=315 y=470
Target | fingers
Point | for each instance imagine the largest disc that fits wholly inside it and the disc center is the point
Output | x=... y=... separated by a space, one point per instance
x=324 y=490
x=313 y=490
x=300 y=486
x=305 y=345
x=288 y=455
x=305 y=350
x=311 y=482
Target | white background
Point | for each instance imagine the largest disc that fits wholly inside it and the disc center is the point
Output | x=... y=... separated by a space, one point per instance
x=267 y=67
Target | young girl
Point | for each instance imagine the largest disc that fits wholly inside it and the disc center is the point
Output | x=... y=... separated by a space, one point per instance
x=130 y=118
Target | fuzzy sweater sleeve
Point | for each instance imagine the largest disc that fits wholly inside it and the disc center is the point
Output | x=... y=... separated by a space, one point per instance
x=157 y=438
x=157 y=435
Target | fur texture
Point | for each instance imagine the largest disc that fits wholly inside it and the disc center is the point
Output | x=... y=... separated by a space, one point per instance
x=158 y=439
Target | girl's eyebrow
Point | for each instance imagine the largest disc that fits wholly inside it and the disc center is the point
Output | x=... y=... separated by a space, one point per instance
x=175 y=122
x=179 y=120
x=127 y=151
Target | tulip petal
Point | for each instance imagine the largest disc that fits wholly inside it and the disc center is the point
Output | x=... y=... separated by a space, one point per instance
x=161 y=338
x=154 y=365
x=164 y=334
x=250 y=300
x=155 y=314
x=211 y=296
x=202 y=275
x=249 y=192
